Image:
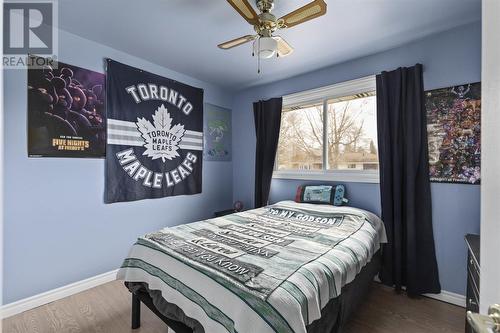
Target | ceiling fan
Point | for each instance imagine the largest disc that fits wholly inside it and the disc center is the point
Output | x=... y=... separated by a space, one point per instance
x=265 y=24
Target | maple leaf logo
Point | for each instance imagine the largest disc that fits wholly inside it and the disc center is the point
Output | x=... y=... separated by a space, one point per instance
x=161 y=140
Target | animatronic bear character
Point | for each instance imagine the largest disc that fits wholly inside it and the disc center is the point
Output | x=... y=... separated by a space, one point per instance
x=80 y=100
x=84 y=100
x=62 y=109
x=93 y=98
x=44 y=81
x=43 y=121
x=95 y=109
x=67 y=75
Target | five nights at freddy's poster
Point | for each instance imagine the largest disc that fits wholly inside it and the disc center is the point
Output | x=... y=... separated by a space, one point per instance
x=66 y=112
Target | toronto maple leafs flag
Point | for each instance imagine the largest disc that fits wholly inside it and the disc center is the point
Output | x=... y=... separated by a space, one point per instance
x=154 y=135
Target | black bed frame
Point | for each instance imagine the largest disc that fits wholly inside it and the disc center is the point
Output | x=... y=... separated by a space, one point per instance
x=143 y=296
x=333 y=316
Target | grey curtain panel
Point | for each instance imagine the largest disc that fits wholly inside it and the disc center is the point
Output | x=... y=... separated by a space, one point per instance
x=409 y=258
x=267 y=116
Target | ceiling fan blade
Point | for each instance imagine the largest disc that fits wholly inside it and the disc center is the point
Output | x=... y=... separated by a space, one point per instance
x=308 y=12
x=237 y=42
x=245 y=10
x=284 y=48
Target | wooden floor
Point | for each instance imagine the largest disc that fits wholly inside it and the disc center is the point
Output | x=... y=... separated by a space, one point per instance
x=106 y=309
x=384 y=311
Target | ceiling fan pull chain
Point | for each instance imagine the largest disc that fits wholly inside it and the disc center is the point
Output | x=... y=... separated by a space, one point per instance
x=258 y=56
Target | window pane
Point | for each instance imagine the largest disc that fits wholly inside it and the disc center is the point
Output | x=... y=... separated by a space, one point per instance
x=300 y=145
x=352 y=133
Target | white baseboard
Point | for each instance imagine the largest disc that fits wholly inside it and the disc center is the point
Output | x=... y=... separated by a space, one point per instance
x=444 y=296
x=449 y=297
x=32 y=302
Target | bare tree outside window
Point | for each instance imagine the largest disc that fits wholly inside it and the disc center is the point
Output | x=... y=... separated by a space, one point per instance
x=351 y=135
x=300 y=146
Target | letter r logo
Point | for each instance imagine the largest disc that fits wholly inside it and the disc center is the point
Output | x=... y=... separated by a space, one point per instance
x=28 y=28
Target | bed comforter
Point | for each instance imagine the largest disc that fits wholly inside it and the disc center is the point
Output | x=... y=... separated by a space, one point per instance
x=270 y=269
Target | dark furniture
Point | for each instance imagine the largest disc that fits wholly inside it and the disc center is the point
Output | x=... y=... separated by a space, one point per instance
x=333 y=316
x=473 y=264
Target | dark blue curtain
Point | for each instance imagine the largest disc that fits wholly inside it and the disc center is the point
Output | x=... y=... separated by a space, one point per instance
x=409 y=258
x=267 y=116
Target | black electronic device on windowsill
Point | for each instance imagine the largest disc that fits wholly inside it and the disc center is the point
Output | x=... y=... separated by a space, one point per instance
x=224 y=212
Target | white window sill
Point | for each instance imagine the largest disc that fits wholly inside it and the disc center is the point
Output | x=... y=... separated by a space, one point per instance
x=349 y=176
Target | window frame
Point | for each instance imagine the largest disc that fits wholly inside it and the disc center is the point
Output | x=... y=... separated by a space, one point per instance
x=324 y=94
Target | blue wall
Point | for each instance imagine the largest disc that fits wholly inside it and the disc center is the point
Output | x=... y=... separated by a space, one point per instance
x=57 y=229
x=449 y=58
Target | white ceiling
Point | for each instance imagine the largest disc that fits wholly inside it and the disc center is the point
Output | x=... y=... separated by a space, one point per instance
x=182 y=34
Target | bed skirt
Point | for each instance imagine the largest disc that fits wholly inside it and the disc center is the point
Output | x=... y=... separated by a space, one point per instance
x=333 y=316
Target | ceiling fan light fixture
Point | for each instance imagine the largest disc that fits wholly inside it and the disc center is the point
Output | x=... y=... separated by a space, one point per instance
x=265 y=47
x=265 y=24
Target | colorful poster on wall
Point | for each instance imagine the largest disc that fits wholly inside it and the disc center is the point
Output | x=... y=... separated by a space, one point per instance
x=155 y=136
x=66 y=113
x=454 y=133
x=218 y=134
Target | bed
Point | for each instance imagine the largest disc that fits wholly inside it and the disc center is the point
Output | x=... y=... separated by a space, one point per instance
x=288 y=267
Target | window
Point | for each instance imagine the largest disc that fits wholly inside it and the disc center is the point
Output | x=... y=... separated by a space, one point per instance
x=300 y=146
x=330 y=133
